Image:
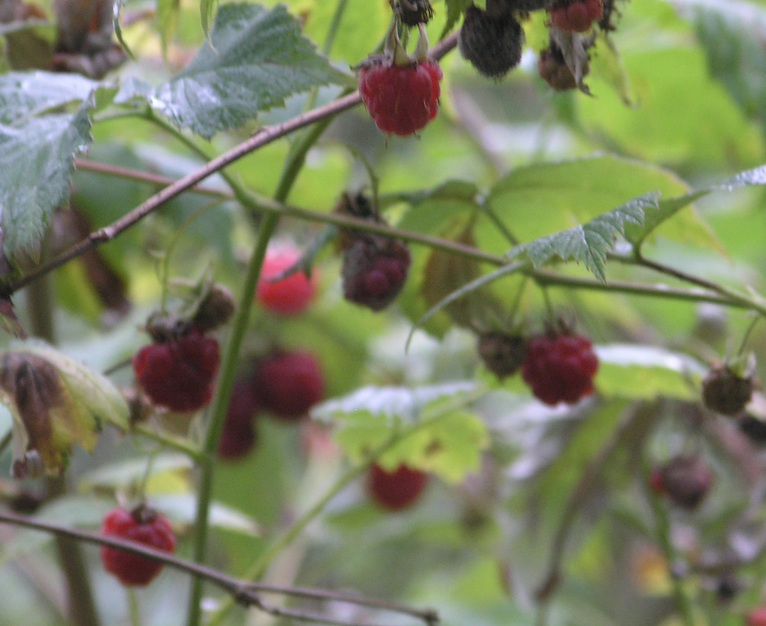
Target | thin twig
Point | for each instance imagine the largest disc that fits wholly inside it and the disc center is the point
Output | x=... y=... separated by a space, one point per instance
x=243 y=592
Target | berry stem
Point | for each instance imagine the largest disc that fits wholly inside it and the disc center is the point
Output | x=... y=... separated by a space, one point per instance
x=134 y=608
x=746 y=337
x=662 y=531
x=262 y=563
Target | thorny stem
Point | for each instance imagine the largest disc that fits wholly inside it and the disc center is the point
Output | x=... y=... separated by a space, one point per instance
x=242 y=591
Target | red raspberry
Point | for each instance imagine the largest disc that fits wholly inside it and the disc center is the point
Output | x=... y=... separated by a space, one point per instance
x=395 y=490
x=289 y=296
x=577 y=16
x=143 y=525
x=288 y=384
x=374 y=273
x=179 y=374
x=239 y=436
x=561 y=368
x=757 y=617
x=686 y=480
x=401 y=99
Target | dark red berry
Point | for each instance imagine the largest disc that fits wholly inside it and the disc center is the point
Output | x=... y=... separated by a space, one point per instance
x=179 y=374
x=576 y=16
x=374 y=271
x=401 y=99
x=503 y=354
x=492 y=44
x=724 y=392
x=395 y=490
x=757 y=616
x=288 y=384
x=686 y=480
x=142 y=525
x=560 y=368
x=239 y=436
x=289 y=296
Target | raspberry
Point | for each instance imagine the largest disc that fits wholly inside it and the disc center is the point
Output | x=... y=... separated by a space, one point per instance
x=215 y=309
x=503 y=354
x=289 y=296
x=179 y=374
x=492 y=44
x=395 y=490
x=757 y=617
x=576 y=16
x=554 y=70
x=724 y=392
x=401 y=99
x=288 y=384
x=143 y=525
x=374 y=271
x=686 y=480
x=560 y=368
x=239 y=436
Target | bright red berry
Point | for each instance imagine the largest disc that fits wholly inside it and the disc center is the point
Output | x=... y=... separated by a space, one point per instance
x=142 y=525
x=401 y=99
x=685 y=480
x=179 y=374
x=374 y=271
x=560 y=368
x=757 y=617
x=576 y=16
x=288 y=384
x=395 y=490
x=239 y=435
x=289 y=296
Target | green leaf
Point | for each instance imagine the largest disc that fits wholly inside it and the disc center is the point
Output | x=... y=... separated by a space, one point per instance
x=132 y=472
x=433 y=437
x=254 y=60
x=167 y=20
x=42 y=150
x=732 y=34
x=26 y=95
x=455 y=10
x=55 y=402
x=206 y=9
x=589 y=243
x=647 y=372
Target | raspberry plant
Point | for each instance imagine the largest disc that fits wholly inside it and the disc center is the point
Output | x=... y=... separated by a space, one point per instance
x=152 y=171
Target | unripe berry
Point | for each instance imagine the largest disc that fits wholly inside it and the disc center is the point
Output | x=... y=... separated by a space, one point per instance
x=288 y=384
x=492 y=44
x=395 y=490
x=142 y=525
x=724 y=392
x=289 y=296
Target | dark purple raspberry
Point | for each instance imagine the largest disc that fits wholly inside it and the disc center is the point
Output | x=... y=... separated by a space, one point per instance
x=374 y=271
x=686 y=480
x=492 y=44
x=503 y=354
x=724 y=392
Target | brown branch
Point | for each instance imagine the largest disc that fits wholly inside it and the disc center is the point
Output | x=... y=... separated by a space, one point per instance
x=244 y=592
x=262 y=137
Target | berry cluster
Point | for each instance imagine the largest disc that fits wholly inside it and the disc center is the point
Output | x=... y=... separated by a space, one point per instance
x=402 y=99
x=577 y=16
x=142 y=525
x=283 y=384
x=288 y=295
x=560 y=368
x=178 y=373
x=395 y=490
